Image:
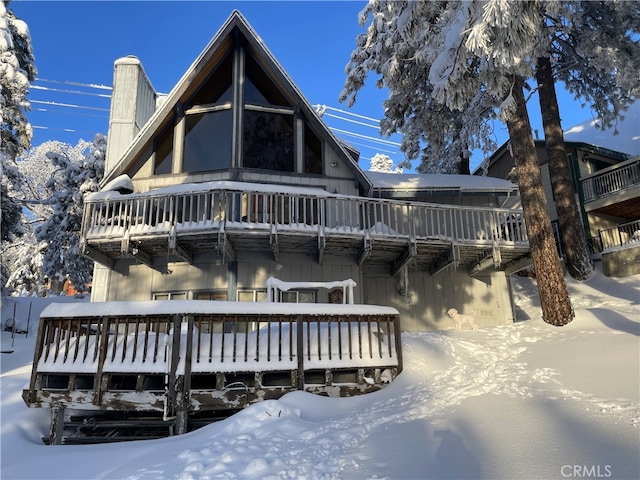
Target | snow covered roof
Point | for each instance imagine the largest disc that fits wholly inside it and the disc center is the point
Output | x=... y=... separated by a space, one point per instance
x=626 y=140
x=207 y=307
x=438 y=182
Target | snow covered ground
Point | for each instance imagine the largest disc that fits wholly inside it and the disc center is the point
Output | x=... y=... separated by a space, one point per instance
x=522 y=401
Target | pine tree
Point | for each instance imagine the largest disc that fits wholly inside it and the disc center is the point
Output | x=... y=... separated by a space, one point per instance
x=592 y=48
x=400 y=45
x=578 y=258
x=469 y=61
x=17 y=71
x=383 y=163
x=61 y=231
x=554 y=296
x=22 y=257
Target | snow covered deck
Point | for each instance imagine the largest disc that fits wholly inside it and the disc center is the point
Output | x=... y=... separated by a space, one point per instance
x=227 y=217
x=189 y=356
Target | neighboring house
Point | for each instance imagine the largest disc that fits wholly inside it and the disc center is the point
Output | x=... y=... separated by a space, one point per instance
x=232 y=189
x=606 y=183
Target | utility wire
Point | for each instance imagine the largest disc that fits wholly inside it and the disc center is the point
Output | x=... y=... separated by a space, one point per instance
x=350 y=120
x=75 y=92
x=358 y=135
x=55 y=112
x=76 y=84
x=68 y=105
x=320 y=109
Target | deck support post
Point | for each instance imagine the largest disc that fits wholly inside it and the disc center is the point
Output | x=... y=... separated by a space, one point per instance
x=56 y=429
x=181 y=422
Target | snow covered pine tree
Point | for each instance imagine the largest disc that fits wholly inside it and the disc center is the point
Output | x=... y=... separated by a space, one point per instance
x=17 y=71
x=61 y=231
x=464 y=61
x=605 y=77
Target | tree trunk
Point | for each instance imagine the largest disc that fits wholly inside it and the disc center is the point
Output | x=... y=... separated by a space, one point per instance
x=577 y=254
x=554 y=296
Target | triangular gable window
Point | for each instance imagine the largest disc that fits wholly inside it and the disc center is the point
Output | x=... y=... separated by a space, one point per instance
x=273 y=134
x=217 y=88
x=259 y=88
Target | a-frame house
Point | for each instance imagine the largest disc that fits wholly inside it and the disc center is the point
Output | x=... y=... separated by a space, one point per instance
x=238 y=243
x=297 y=206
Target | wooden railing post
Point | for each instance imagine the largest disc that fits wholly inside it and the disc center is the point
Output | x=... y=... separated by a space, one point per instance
x=103 y=340
x=183 y=395
x=398 y=341
x=173 y=386
x=300 y=352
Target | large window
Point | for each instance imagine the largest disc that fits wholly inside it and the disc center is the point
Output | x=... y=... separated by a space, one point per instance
x=207 y=141
x=312 y=152
x=298 y=296
x=268 y=141
x=214 y=295
x=271 y=128
x=163 y=158
x=170 y=296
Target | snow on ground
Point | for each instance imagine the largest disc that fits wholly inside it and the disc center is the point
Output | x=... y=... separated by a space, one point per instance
x=521 y=401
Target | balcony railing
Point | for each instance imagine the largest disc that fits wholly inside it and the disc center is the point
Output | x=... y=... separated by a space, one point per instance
x=620 y=235
x=612 y=180
x=189 y=212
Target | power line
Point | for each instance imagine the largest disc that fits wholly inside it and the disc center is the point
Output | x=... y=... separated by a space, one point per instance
x=376 y=149
x=76 y=84
x=68 y=105
x=350 y=120
x=106 y=117
x=358 y=135
x=321 y=109
x=68 y=130
x=75 y=92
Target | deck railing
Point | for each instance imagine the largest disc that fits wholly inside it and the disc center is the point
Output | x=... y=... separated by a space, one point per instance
x=619 y=235
x=144 y=360
x=224 y=209
x=612 y=180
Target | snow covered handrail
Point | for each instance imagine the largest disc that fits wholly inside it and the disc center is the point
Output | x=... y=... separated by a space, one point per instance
x=122 y=216
x=188 y=356
x=273 y=285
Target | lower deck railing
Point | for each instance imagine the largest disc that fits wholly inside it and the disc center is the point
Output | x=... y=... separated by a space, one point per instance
x=179 y=357
x=620 y=235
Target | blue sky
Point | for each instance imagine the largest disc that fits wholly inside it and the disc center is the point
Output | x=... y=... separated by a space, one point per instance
x=313 y=40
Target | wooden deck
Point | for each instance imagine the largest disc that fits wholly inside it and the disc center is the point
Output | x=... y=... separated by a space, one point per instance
x=180 y=358
x=213 y=219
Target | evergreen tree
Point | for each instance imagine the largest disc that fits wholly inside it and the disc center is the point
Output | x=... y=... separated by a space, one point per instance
x=22 y=257
x=61 y=231
x=592 y=49
x=17 y=71
x=383 y=163
x=470 y=59
x=400 y=45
